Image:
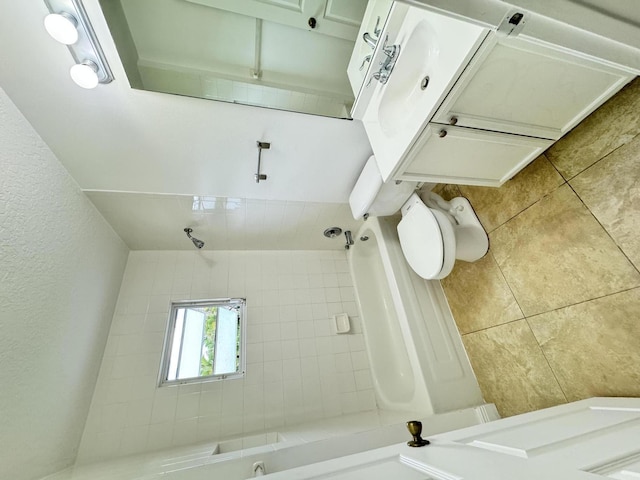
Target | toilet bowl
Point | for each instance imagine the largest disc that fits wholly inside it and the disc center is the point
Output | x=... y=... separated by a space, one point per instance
x=433 y=233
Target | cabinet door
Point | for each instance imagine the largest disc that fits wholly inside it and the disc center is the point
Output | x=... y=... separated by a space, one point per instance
x=519 y=86
x=335 y=18
x=467 y=156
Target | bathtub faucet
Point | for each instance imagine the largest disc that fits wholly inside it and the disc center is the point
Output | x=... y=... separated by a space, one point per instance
x=349 y=239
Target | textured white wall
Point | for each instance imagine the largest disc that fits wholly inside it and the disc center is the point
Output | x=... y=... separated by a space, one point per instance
x=60 y=269
x=297 y=369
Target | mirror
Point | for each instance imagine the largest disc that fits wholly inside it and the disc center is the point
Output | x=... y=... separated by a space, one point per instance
x=283 y=54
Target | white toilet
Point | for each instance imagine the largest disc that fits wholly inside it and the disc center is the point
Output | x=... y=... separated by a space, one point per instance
x=432 y=236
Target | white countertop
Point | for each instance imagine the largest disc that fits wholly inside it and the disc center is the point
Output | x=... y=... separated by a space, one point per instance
x=394 y=123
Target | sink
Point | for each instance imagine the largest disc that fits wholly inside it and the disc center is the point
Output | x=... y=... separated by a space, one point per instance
x=432 y=45
x=410 y=77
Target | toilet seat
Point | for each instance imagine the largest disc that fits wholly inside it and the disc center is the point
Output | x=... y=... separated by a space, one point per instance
x=428 y=241
x=432 y=236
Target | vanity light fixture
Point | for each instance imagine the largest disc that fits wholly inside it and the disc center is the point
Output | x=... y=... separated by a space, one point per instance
x=63 y=27
x=69 y=24
x=85 y=74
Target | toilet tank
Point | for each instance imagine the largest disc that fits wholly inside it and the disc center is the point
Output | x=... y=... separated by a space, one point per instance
x=370 y=195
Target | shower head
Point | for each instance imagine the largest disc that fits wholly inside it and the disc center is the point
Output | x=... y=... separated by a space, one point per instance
x=196 y=242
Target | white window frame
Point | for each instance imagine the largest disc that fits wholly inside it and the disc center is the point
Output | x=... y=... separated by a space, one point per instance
x=239 y=303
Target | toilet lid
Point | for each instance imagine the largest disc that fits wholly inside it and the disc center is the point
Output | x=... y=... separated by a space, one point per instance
x=423 y=240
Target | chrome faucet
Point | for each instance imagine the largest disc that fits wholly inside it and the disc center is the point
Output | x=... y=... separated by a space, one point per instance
x=386 y=66
x=369 y=40
x=364 y=61
x=372 y=40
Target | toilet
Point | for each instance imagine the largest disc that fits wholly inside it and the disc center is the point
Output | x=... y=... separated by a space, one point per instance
x=433 y=233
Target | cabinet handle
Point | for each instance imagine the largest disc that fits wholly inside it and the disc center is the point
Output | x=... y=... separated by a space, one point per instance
x=442 y=133
x=453 y=121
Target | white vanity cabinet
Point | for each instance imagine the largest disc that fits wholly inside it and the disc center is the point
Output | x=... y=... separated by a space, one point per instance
x=524 y=87
x=449 y=154
x=472 y=104
x=513 y=100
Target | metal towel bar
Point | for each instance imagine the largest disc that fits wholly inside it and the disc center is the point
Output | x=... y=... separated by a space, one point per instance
x=261 y=146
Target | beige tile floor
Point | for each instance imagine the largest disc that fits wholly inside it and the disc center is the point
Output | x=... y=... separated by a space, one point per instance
x=552 y=313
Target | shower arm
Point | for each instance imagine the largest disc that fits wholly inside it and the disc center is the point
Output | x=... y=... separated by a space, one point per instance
x=196 y=241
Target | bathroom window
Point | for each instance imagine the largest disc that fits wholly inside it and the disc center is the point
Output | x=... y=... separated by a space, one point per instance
x=204 y=341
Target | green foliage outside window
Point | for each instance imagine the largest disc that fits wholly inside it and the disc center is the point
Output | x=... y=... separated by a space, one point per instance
x=208 y=341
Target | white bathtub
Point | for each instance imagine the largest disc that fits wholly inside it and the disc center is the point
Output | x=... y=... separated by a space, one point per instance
x=418 y=362
x=299 y=445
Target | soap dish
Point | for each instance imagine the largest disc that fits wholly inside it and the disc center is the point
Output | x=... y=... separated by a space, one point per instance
x=341 y=323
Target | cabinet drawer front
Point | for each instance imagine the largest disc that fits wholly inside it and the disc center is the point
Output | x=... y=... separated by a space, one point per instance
x=475 y=157
x=518 y=86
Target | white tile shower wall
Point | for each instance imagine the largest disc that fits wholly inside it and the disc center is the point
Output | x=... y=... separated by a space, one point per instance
x=297 y=368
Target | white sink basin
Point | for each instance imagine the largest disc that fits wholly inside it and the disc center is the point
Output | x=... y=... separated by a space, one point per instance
x=414 y=66
x=431 y=45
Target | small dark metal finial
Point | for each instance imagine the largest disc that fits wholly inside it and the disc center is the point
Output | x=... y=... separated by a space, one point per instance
x=415 y=429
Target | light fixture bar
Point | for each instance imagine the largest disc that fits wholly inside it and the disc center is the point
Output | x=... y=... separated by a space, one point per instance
x=87 y=49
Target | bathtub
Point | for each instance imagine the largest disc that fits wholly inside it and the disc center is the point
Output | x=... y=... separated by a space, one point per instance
x=418 y=362
x=296 y=446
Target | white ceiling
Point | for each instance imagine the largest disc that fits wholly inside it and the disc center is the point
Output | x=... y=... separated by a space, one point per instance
x=117 y=139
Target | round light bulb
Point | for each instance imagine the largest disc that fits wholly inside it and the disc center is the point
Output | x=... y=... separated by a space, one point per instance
x=85 y=74
x=62 y=27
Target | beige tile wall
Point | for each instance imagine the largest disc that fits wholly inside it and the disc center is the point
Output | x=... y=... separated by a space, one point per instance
x=552 y=313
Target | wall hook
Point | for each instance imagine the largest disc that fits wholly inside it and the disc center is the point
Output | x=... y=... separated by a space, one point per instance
x=261 y=146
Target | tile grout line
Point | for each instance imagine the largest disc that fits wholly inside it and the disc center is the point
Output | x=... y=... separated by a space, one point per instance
x=508 y=286
x=554 y=165
x=526 y=319
x=529 y=206
x=637 y=269
x=552 y=310
x=547 y=360
x=462 y=194
x=514 y=297
x=600 y=159
x=504 y=223
x=493 y=326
